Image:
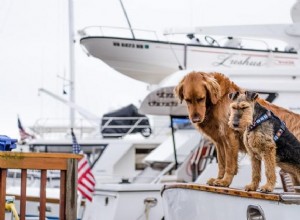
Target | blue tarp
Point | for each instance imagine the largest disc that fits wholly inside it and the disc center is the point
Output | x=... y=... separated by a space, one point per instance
x=6 y=143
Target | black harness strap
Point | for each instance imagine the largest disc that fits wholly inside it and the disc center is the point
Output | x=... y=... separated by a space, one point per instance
x=266 y=117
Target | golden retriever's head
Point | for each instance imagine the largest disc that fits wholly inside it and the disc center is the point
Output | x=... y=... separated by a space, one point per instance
x=198 y=90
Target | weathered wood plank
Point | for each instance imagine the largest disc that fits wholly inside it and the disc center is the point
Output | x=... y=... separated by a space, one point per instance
x=71 y=190
x=40 y=155
x=20 y=160
x=43 y=194
x=226 y=191
x=23 y=194
x=62 y=202
x=3 y=173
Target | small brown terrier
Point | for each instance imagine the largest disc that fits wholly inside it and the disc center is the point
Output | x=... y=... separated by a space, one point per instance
x=266 y=138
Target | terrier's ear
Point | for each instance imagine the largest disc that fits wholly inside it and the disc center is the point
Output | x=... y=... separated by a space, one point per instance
x=233 y=95
x=251 y=95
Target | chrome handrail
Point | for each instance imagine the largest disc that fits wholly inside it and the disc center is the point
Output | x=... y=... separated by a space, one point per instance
x=100 y=31
x=130 y=127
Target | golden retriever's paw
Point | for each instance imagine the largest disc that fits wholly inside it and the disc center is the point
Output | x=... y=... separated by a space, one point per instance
x=221 y=182
x=251 y=187
x=267 y=188
x=211 y=181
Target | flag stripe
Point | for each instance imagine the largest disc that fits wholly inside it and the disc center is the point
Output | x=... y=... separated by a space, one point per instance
x=87 y=195
x=86 y=179
x=23 y=134
x=86 y=185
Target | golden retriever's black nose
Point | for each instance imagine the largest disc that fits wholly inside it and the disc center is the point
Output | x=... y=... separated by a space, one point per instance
x=196 y=118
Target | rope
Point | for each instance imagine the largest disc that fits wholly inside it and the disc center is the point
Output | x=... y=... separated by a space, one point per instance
x=146 y=211
x=10 y=206
x=149 y=203
x=177 y=60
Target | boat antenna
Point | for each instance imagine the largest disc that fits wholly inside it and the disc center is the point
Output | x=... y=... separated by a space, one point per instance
x=127 y=19
x=71 y=61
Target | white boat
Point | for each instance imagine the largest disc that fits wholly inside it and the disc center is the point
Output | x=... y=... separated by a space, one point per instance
x=197 y=200
x=222 y=48
x=140 y=198
x=187 y=202
x=152 y=60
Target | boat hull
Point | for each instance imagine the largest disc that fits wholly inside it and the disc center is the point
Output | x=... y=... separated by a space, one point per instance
x=203 y=202
x=125 y=201
x=151 y=61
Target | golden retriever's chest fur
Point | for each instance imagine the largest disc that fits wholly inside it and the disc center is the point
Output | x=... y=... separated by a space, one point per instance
x=216 y=121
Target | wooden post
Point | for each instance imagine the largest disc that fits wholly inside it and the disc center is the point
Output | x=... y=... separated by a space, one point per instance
x=71 y=189
x=43 y=194
x=23 y=194
x=2 y=192
x=62 y=199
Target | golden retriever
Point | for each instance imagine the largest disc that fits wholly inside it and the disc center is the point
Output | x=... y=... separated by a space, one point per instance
x=206 y=96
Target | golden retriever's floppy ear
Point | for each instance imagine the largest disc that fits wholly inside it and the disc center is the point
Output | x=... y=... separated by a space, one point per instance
x=251 y=95
x=178 y=90
x=233 y=95
x=213 y=88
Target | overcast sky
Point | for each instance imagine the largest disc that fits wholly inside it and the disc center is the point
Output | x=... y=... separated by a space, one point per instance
x=34 y=52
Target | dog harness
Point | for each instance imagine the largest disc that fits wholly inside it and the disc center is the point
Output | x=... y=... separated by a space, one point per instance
x=266 y=117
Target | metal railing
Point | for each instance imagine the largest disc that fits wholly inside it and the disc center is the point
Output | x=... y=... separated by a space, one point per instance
x=121 y=126
x=117 y=31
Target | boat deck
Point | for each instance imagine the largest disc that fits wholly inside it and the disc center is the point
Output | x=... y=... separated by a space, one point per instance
x=279 y=196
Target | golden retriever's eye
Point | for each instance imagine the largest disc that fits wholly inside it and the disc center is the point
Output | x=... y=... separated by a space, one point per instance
x=234 y=107
x=188 y=101
x=200 y=99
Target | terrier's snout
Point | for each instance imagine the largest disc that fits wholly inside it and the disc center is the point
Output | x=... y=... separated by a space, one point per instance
x=235 y=124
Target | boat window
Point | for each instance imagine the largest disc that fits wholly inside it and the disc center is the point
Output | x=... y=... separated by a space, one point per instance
x=269 y=96
x=182 y=123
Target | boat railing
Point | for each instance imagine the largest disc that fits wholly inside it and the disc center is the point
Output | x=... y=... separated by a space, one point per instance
x=65 y=163
x=52 y=127
x=251 y=43
x=121 y=126
x=117 y=32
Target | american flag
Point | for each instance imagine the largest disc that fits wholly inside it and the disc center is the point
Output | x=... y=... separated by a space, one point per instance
x=23 y=134
x=86 y=179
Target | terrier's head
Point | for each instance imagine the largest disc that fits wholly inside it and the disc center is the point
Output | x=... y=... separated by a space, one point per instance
x=241 y=110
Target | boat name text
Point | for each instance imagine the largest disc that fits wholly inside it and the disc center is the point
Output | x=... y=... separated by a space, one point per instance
x=228 y=60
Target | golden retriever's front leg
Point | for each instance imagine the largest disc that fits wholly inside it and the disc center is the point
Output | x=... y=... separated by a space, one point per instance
x=221 y=164
x=231 y=162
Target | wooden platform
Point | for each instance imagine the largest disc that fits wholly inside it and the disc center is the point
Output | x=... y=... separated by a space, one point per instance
x=226 y=191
